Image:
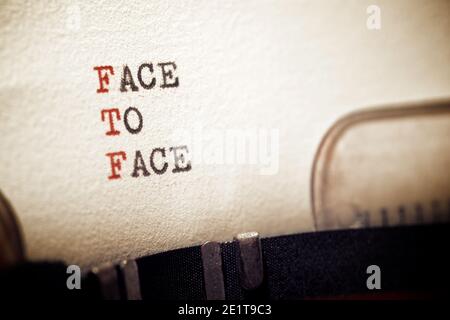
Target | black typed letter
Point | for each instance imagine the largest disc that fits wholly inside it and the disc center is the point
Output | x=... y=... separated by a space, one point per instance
x=127 y=80
x=152 y=82
x=139 y=164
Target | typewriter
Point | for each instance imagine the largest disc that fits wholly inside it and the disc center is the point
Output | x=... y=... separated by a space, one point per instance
x=239 y=151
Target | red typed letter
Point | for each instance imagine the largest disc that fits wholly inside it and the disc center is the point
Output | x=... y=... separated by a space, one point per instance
x=103 y=77
x=115 y=163
x=112 y=131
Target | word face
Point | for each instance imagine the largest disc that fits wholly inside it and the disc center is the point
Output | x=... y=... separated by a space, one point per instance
x=146 y=77
x=158 y=162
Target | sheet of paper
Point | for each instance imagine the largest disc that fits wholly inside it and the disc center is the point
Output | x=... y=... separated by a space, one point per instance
x=278 y=73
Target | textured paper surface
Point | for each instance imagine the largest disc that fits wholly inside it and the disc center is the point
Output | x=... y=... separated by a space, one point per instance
x=294 y=66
